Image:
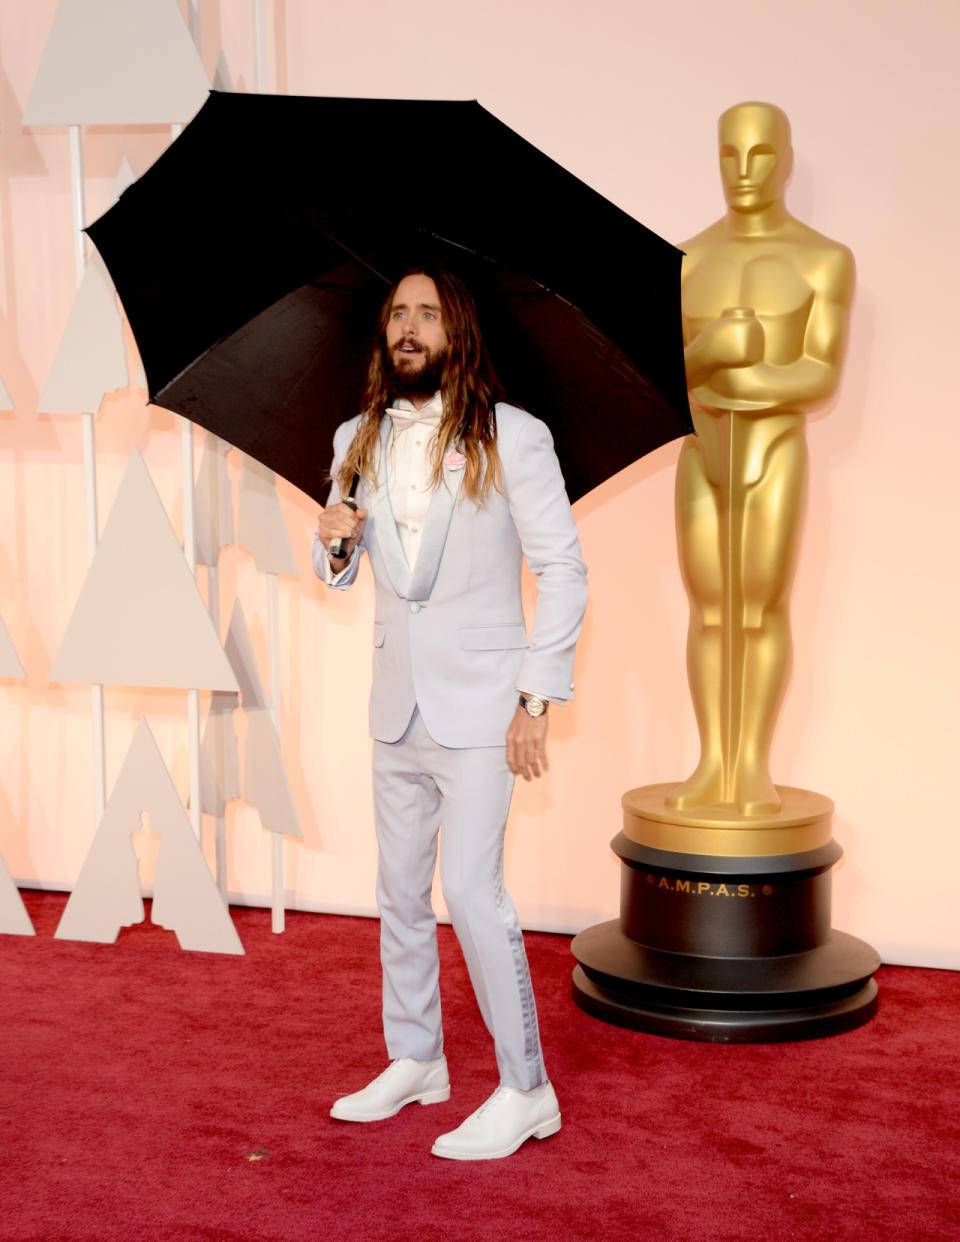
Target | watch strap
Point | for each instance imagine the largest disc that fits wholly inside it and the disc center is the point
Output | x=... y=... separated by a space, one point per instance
x=534 y=701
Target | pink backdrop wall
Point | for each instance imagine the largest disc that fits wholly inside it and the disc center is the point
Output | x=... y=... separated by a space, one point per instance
x=625 y=95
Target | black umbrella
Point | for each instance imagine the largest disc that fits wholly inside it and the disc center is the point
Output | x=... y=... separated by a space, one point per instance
x=252 y=257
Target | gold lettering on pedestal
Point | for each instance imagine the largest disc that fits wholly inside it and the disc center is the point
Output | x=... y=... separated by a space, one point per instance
x=703 y=888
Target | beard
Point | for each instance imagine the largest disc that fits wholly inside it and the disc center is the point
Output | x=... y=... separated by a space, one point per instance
x=416 y=381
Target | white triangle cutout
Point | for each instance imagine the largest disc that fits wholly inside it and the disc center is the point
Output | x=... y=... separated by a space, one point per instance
x=117 y=62
x=222 y=77
x=219 y=769
x=91 y=359
x=140 y=620
x=5 y=402
x=125 y=178
x=243 y=661
x=265 y=783
x=262 y=528
x=107 y=893
x=14 y=920
x=213 y=501
x=10 y=665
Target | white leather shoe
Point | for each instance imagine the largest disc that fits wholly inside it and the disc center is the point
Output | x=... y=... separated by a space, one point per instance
x=402 y=1082
x=499 y=1126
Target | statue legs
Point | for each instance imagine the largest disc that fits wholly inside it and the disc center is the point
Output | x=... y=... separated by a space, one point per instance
x=698 y=537
x=738 y=518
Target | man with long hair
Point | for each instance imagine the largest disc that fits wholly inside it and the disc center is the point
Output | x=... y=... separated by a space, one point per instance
x=454 y=489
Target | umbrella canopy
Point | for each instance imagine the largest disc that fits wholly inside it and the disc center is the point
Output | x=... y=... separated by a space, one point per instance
x=252 y=258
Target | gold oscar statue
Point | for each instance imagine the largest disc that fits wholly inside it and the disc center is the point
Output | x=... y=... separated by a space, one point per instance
x=765 y=308
x=766 y=301
x=724 y=932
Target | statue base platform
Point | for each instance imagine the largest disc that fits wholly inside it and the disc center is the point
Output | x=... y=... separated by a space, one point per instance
x=722 y=944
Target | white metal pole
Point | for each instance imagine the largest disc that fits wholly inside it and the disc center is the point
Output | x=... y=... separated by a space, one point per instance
x=190 y=552
x=259 y=46
x=90 y=483
x=76 y=180
x=278 y=921
x=89 y=472
x=219 y=822
x=273 y=624
x=96 y=691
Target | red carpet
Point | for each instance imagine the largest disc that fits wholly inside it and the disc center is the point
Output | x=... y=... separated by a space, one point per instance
x=149 y=1094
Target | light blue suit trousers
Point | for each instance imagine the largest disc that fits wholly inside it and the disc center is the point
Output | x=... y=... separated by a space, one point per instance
x=450 y=651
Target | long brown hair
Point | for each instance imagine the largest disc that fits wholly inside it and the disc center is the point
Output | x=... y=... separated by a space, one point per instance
x=468 y=386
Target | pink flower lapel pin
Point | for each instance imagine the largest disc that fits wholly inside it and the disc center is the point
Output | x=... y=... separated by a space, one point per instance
x=454 y=460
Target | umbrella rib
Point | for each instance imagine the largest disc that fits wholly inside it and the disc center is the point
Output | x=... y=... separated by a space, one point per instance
x=358 y=258
x=542 y=290
x=154 y=397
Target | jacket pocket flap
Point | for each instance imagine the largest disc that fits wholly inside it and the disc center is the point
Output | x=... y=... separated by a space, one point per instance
x=377 y=634
x=493 y=637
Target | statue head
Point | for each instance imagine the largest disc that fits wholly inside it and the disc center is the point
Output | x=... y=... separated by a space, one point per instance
x=755 y=155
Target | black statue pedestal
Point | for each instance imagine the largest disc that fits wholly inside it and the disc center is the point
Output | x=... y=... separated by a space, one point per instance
x=731 y=947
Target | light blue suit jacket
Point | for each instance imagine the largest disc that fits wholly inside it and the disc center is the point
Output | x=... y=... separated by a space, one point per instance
x=449 y=634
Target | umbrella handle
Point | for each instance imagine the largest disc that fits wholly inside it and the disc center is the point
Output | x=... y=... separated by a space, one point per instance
x=338 y=547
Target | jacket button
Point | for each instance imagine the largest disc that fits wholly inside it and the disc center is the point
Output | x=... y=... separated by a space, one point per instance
x=415 y=607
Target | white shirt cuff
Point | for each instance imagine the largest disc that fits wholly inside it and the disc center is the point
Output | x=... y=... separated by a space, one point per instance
x=329 y=577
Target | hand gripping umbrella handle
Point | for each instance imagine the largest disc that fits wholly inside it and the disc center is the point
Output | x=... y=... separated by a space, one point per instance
x=338 y=547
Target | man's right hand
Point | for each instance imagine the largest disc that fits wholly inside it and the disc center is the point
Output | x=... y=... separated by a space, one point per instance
x=341 y=522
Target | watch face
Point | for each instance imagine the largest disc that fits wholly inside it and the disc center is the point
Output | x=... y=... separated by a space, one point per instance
x=534 y=706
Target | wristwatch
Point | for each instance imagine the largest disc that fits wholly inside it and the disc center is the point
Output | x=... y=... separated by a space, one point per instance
x=532 y=704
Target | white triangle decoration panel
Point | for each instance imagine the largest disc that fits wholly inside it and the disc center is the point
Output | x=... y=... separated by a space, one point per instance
x=140 y=619
x=125 y=178
x=222 y=77
x=5 y=402
x=213 y=501
x=91 y=359
x=10 y=665
x=265 y=783
x=219 y=768
x=243 y=661
x=117 y=62
x=14 y=920
x=107 y=894
x=262 y=528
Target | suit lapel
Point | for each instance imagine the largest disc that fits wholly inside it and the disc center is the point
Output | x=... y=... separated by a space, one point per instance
x=435 y=530
x=385 y=524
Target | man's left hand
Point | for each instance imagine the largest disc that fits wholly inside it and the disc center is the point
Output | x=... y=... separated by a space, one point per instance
x=527 y=744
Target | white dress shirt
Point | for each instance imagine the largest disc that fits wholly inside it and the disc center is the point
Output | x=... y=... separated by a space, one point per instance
x=409 y=462
x=408 y=471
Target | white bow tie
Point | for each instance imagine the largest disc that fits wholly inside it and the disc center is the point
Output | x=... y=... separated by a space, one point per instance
x=402 y=419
